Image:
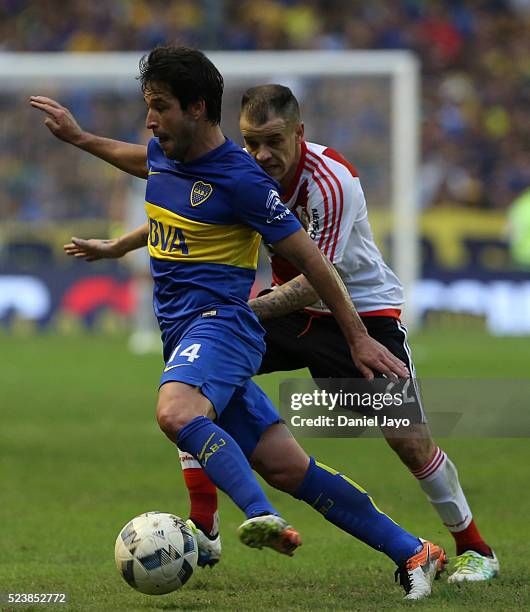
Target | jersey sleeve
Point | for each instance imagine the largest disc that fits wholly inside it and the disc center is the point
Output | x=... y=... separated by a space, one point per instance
x=336 y=201
x=258 y=205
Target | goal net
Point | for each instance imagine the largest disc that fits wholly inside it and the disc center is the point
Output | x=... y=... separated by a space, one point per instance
x=364 y=104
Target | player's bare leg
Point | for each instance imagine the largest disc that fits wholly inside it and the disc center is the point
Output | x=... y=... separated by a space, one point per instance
x=415 y=449
x=282 y=462
x=178 y=404
x=182 y=413
x=279 y=459
x=438 y=477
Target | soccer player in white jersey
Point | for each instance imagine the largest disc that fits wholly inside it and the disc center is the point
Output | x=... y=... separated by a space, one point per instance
x=324 y=192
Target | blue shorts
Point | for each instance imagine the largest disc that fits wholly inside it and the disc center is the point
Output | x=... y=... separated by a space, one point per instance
x=248 y=415
x=214 y=356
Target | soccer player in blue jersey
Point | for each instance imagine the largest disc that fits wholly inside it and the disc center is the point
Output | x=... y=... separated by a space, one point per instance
x=206 y=202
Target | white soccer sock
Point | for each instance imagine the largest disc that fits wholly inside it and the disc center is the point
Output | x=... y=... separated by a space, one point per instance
x=439 y=479
x=188 y=462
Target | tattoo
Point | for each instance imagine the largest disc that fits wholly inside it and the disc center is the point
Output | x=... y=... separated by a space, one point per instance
x=294 y=295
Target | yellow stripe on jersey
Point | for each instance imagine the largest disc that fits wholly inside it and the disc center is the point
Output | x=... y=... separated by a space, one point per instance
x=176 y=238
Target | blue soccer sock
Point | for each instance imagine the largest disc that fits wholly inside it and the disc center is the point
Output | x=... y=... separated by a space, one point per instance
x=348 y=506
x=225 y=464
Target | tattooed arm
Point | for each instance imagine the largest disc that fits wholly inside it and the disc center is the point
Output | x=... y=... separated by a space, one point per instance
x=289 y=297
x=367 y=354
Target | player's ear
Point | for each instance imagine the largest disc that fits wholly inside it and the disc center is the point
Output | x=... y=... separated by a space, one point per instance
x=299 y=131
x=197 y=109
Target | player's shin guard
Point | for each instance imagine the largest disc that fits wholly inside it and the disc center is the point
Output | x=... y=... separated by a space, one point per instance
x=225 y=464
x=203 y=493
x=348 y=506
x=439 y=479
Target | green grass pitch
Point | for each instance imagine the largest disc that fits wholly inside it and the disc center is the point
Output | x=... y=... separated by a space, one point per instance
x=80 y=454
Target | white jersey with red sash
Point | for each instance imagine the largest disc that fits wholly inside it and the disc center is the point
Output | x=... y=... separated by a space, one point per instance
x=326 y=195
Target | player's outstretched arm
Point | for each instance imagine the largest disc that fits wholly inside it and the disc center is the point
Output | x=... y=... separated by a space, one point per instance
x=285 y=299
x=368 y=354
x=131 y=158
x=95 y=248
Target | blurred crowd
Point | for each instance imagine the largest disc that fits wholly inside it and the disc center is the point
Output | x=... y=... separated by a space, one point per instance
x=42 y=179
x=475 y=57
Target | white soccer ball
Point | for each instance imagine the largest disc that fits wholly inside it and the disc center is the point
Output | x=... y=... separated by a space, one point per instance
x=156 y=553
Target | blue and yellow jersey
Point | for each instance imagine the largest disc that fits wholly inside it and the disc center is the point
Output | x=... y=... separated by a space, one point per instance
x=205 y=220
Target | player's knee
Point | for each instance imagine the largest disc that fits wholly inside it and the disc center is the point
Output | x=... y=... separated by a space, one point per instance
x=178 y=404
x=168 y=421
x=172 y=418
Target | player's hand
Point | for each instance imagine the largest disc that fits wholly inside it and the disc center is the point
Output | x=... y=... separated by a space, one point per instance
x=93 y=249
x=59 y=120
x=369 y=356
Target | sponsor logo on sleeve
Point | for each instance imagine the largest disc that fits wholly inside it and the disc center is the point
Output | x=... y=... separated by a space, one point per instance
x=274 y=205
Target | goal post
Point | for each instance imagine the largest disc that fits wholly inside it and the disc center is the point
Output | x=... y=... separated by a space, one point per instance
x=346 y=79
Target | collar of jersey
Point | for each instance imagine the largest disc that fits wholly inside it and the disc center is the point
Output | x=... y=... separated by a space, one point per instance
x=217 y=152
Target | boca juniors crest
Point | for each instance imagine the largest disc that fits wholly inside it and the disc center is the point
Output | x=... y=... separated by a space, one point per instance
x=200 y=192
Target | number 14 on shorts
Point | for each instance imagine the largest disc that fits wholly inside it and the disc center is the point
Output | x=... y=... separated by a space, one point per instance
x=190 y=354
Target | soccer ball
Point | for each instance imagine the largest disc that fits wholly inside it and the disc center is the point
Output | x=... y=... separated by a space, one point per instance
x=156 y=553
